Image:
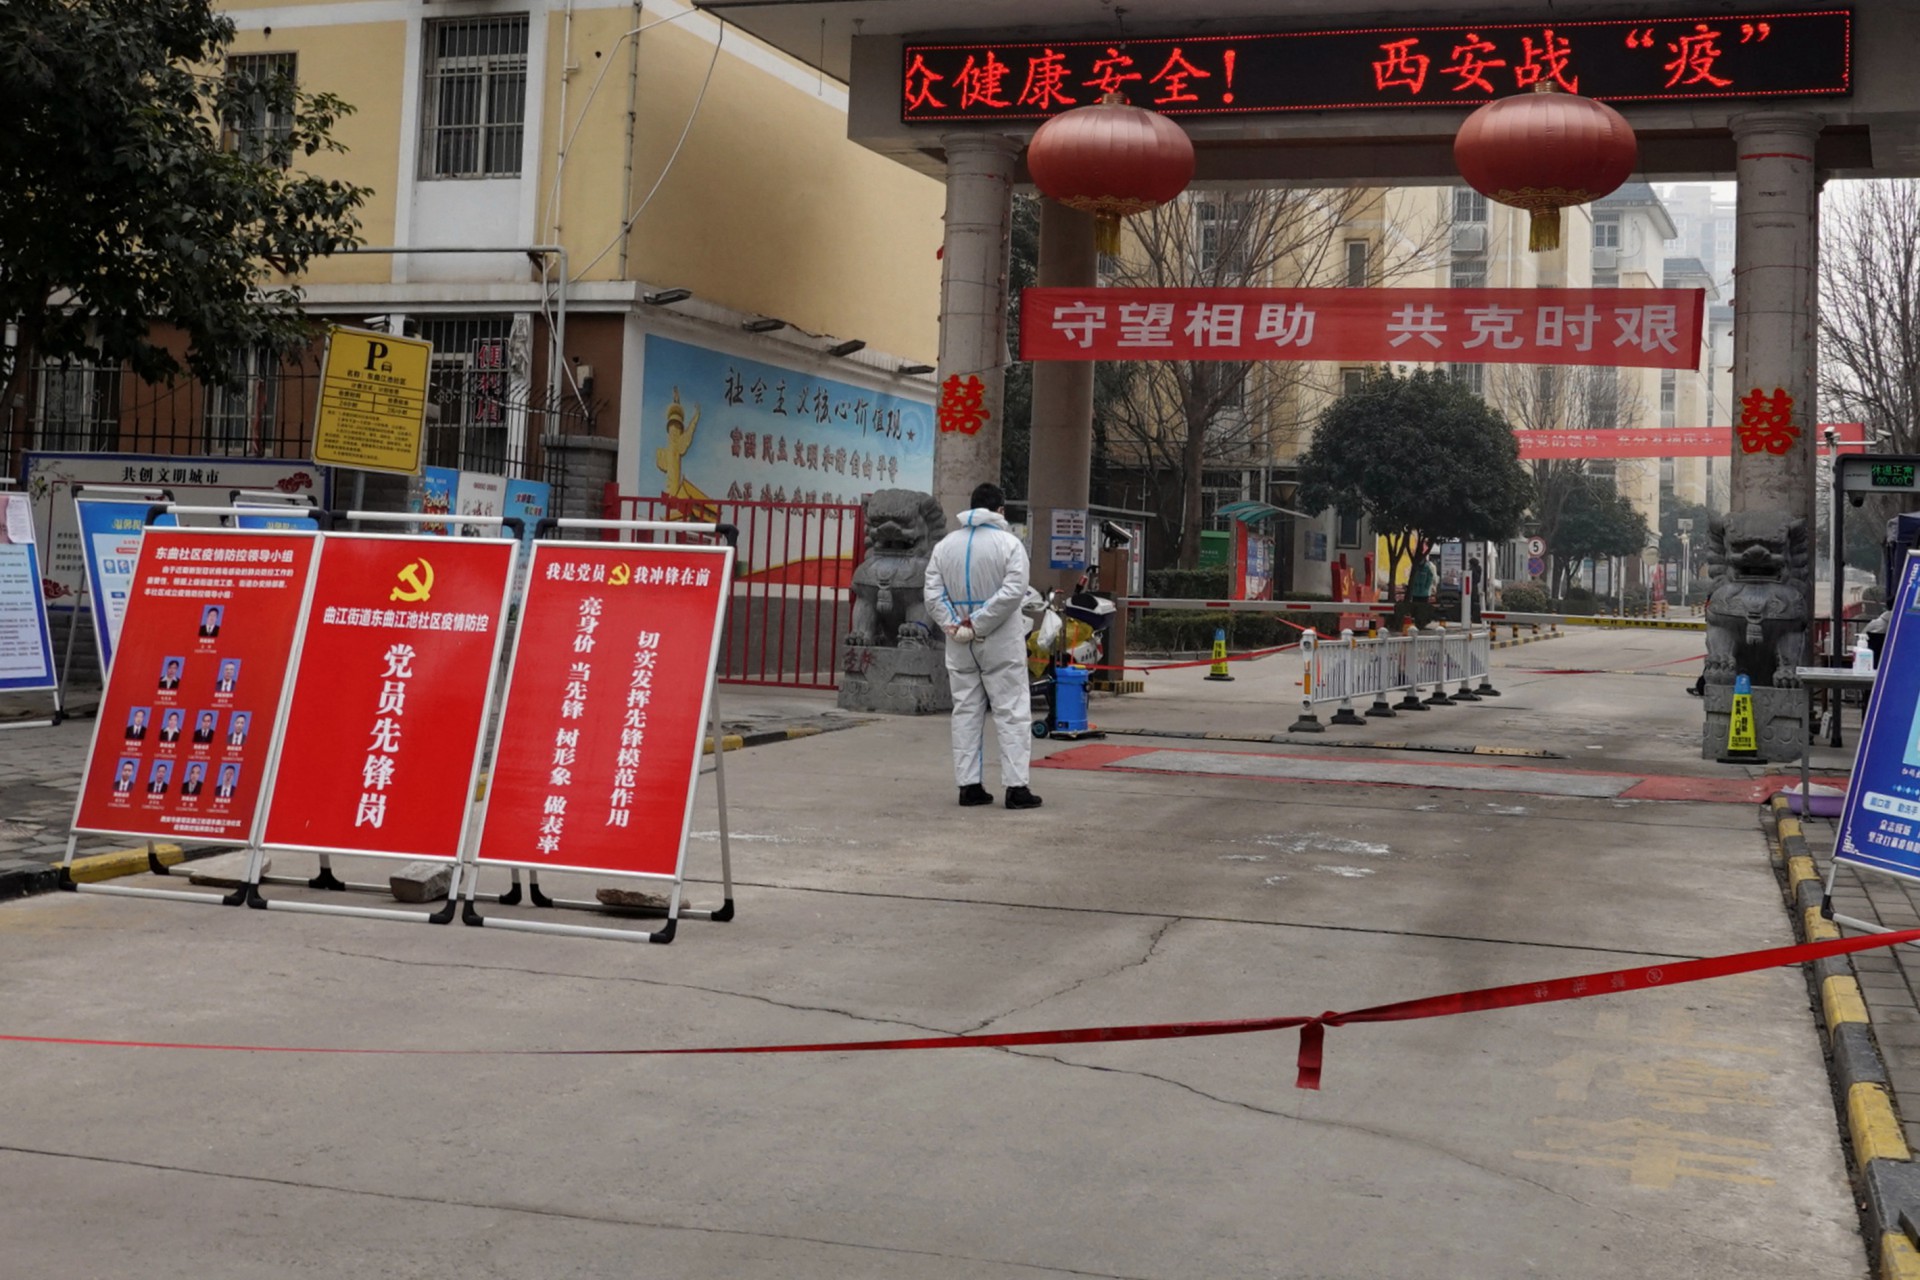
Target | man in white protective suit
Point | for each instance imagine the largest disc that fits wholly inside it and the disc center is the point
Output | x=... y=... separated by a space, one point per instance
x=976 y=583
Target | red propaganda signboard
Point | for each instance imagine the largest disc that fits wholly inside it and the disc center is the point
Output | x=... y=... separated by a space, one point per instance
x=602 y=733
x=181 y=746
x=1204 y=71
x=1669 y=442
x=1631 y=328
x=390 y=695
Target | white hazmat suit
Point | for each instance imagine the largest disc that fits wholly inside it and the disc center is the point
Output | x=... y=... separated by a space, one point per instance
x=976 y=583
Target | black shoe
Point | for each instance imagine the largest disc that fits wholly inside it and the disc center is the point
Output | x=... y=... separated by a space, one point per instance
x=1021 y=798
x=974 y=793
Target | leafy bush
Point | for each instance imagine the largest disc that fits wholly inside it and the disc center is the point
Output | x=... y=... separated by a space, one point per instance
x=1580 y=602
x=1525 y=599
x=1187 y=584
x=1191 y=631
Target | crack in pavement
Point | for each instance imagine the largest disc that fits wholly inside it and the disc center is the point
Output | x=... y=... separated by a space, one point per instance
x=872 y=1019
x=1316 y=926
x=1153 y=944
x=547 y=1211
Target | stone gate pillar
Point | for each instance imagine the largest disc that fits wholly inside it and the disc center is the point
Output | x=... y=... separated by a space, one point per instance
x=973 y=314
x=1760 y=616
x=1060 y=464
x=1775 y=288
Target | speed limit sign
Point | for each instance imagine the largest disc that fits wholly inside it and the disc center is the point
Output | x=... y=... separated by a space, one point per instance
x=1536 y=546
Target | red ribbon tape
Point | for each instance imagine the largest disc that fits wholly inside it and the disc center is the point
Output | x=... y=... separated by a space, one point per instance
x=1313 y=1031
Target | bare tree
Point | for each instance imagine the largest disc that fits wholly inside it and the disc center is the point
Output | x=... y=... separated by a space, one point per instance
x=1551 y=397
x=1170 y=421
x=1870 y=308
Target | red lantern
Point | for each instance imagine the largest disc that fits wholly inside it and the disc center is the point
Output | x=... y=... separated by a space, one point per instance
x=1545 y=151
x=1110 y=160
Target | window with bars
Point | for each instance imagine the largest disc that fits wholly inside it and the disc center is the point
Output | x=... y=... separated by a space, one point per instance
x=474 y=104
x=258 y=124
x=1469 y=205
x=1469 y=273
x=1669 y=395
x=1352 y=381
x=1606 y=233
x=241 y=419
x=468 y=383
x=1471 y=376
x=76 y=405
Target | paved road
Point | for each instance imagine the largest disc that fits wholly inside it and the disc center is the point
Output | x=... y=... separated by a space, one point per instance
x=1680 y=1132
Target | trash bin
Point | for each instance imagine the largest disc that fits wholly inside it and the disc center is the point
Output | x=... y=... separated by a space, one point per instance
x=1070 y=699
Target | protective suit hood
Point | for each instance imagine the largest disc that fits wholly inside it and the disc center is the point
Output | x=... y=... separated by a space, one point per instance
x=978 y=517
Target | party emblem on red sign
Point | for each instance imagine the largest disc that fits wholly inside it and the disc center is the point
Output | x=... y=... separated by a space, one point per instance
x=390 y=696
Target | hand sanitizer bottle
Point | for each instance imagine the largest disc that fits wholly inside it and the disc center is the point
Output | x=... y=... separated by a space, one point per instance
x=1862 y=655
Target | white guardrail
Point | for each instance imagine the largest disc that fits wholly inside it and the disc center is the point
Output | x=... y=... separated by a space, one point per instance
x=1353 y=667
x=1378 y=608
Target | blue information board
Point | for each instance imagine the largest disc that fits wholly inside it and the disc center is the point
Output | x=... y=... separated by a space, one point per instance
x=289 y=519
x=1880 y=826
x=26 y=644
x=109 y=545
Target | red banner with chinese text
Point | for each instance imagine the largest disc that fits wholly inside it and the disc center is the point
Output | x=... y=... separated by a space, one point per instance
x=390 y=695
x=601 y=738
x=1667 y=442
x=181 y=743
x=1626 y=328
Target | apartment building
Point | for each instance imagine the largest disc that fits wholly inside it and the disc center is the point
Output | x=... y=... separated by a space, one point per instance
x=616 y=221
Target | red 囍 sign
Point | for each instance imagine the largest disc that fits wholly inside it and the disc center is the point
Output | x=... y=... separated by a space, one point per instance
x=1668 y=442
x=181 y=744
x=1630 y=328
x=390 y=695
x=601 y=737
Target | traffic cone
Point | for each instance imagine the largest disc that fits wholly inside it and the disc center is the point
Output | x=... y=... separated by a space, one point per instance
x=1219 y=669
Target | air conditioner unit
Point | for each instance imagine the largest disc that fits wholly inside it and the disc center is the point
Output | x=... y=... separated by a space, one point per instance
x=1606 y=259
x=1469 y=238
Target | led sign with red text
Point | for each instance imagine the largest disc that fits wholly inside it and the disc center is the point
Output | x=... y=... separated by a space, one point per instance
x=1760 y=55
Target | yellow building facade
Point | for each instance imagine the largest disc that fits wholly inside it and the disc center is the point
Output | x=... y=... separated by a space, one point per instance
x=624 y=219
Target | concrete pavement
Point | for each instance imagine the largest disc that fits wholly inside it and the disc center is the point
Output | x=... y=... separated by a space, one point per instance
x=1680 y=1132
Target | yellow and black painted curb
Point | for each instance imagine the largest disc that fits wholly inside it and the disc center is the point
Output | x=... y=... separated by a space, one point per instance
x=1640 y=624
x=1885 y=1172
x=19 y=881
x=1553 y=634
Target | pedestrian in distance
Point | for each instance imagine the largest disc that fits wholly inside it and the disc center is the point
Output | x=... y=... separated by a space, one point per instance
x=976 y=583
x=1422 y=581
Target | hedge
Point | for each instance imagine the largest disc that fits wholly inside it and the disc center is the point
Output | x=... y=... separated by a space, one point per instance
x=1187 y=584
x=1525 y=599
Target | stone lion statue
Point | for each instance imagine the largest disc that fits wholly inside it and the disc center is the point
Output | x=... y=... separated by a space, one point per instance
x=1762 y=566
x=888 y=609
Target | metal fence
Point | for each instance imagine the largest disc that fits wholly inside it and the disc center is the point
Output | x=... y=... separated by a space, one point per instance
x=793 y=584
x=1349 y=668
x=478 y=418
